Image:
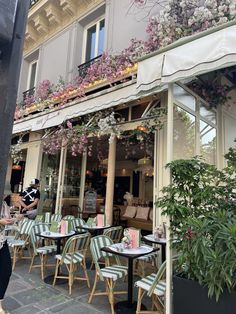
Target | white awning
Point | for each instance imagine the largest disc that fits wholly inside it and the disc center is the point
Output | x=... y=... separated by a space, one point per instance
x=77 y=108
x=189 y=57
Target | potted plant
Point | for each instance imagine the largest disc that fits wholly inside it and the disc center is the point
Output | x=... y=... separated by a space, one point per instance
x=201 y=203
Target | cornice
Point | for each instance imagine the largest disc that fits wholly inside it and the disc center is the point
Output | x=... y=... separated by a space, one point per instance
x=48 y=17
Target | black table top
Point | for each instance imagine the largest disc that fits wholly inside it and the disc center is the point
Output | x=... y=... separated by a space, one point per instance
x=127 y=255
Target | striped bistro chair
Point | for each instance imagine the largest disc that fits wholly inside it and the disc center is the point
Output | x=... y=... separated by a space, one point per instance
x=74 y=253
x=56 y=218
x=47 y=217
x=21 y=240
x=155 y=288
x=78 y=222
x=114 y=233
x=41 y=251
x=69 y=217
x=140 y=263
x=110 y=273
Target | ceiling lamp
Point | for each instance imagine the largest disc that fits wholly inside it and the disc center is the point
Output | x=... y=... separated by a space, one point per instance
x=145 y=167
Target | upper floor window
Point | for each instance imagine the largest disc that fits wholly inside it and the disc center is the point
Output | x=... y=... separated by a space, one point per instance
x=32 y=74
x=94 y=40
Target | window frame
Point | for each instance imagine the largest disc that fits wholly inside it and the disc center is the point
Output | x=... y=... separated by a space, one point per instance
x=35 y=61
x=85 y=37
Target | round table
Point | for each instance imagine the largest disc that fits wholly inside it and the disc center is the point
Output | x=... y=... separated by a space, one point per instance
x=94 y=230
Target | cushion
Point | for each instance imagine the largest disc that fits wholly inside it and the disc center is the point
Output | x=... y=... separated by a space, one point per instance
x=130 y=211
x=142 y=212
x=151 y=214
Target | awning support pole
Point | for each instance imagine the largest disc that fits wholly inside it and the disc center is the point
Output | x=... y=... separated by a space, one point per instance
x=110 y=182
x=82 y=180
x=169 y=158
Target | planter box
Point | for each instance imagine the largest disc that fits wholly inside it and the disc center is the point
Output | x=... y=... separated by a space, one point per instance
x=191 y=298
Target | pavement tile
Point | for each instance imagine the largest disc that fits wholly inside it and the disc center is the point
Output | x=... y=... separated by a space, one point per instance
x=29 y=309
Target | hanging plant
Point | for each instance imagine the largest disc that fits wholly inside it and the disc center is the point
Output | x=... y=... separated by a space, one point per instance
x=16 y=152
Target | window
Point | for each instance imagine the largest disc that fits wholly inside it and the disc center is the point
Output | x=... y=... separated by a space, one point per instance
x=32 y=74
x=94 y=40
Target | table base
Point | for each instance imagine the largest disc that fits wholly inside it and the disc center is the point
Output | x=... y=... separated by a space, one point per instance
x=49 y=280
x=124 y=307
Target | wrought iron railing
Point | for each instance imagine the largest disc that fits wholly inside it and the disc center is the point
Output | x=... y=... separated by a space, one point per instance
x=28 y=93
x=83 y=68
x=33 y=2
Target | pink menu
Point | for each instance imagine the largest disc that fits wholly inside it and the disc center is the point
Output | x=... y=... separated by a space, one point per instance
x=135 y=237
x=101 y=220
x=64 y=227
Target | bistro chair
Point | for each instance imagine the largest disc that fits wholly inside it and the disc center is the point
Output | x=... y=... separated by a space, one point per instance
x=47 y=217
x=151 y=258
x=110 y=273
x=21 y=241
x=78 y=222
x=153 y=286
x=41 y=251
x=69 y=217
x=56 y=217
x=73 y=254
x=114 y=233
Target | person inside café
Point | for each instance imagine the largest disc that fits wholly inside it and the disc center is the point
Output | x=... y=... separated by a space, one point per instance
x=29 y=199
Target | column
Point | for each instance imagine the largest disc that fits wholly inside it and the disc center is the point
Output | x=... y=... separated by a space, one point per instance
x=110 y=182
x=82 y=180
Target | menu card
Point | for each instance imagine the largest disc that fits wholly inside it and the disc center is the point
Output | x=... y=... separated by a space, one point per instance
x=135 y=236
x=54 y=226
x=101 y=220
x=64 y=227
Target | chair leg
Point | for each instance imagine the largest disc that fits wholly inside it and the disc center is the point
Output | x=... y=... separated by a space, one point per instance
x=85 y=272
x=42 y=265
x=138 y=309
x=93 y=290
x=14 y=258
x=71 y=273
x=32 y=263
x=111 y=294
x=56 y=272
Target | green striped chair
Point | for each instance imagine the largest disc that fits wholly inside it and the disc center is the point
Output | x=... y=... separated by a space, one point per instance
x=110 y=273
x=41 y=251
x=154 y=286
x=78 y=222
x=114 y=233
x=151 y=258
x=21 y=240
x=74 y=254
x=56 y=218
x=69 y=217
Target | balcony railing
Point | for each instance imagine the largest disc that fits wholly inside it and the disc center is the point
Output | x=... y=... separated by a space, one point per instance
x=33 y=2
x=83 y=68
x=28 y=93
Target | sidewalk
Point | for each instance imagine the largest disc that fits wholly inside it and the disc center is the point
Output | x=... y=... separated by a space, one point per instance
x=28 y=294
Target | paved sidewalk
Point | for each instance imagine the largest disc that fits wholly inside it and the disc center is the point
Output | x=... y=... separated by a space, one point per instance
x=28 y=294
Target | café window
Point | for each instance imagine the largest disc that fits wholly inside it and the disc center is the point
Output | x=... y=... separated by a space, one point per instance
x=32 y=74
x=94 y=40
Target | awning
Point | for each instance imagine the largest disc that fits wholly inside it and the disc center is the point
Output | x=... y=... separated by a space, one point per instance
x=77 y=108
x=188 y=57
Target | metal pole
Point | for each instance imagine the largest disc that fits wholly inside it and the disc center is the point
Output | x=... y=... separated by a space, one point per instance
x=10 y=62
x=82 y=180
x=169 y=157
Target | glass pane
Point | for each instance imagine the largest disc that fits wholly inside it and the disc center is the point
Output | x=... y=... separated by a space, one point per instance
x=184 y=97
x=71 y=189
x=207 y=114
x=208 y=142
x=101 y=37
x=184 y=134
x=32 y=75
x=48 y=182
x=91 y=43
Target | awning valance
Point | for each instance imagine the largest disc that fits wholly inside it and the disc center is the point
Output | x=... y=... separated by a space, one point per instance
x=55 y=117
x=190 y=57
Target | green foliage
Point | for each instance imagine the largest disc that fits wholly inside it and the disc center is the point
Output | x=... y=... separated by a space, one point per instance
x=201 y=203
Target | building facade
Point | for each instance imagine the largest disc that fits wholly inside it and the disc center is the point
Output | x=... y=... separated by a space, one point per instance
x=63 y=39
